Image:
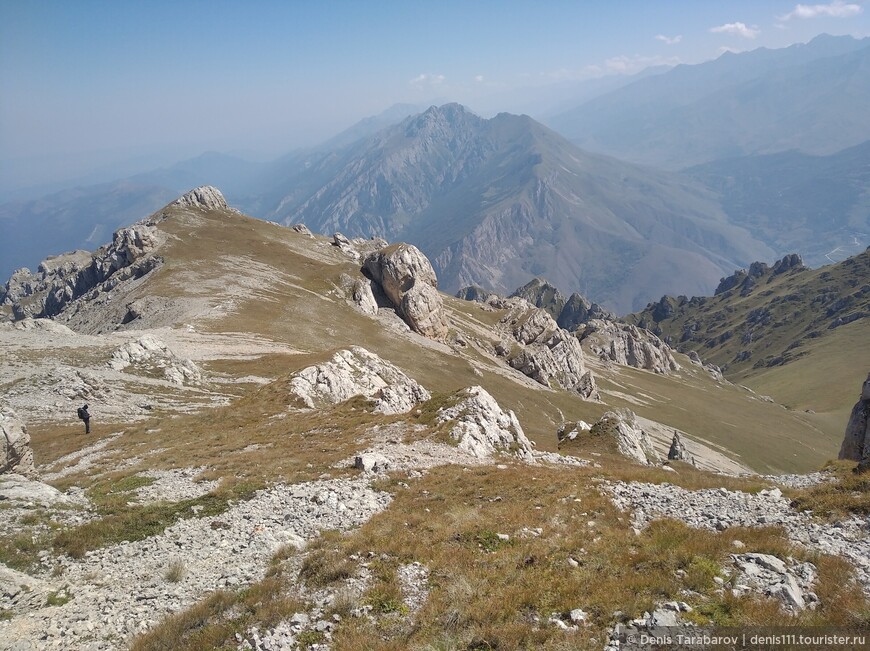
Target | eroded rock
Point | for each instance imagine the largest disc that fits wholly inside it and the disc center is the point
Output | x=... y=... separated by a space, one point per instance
x=481 y=427
x=358 y=372
x=16 y=454
x=409 y=282
x=148 y=352
x=856 y=442
x=631 y=441
x=629 y=345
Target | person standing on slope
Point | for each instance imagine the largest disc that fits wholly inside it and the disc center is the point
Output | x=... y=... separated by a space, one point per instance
x=85 y=416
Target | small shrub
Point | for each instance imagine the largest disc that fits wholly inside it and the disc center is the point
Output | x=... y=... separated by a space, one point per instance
x=175 y=571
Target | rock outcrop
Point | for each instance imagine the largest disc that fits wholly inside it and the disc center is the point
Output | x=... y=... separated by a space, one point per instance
x=476 y=294
x=205 y=197
x=630 y=346
x=16 y=454
x=856 y=442
x=357 y=372
x=59 y=280
x=149 y=353
x=540 y=349
x=678 y=451
x=631 y=441
x=578 y=310
x=567 y=313
x=481 y=427
x=408 y=280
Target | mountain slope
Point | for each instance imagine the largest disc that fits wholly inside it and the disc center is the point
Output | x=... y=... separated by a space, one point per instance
x=817 y=206
x=810 y=97
x=496 y=202
x=794 y=333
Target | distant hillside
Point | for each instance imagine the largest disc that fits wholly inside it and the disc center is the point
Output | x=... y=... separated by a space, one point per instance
x=818 y=206
x=812 y=97
x=798 y=334
x=496 y=202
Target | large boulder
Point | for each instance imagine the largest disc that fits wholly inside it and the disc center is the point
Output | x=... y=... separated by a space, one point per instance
x=678 y=451
x=629 y=345
x=481 y=427
x=358 y=372
x=15 y=452
x=856 y=442
x=205 y=197
x=409 y=282
x=631 y=441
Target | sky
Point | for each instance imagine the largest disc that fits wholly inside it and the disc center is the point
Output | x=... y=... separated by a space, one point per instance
x=99 y=86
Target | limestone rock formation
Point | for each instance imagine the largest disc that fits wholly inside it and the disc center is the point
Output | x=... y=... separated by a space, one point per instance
x=357 y=372
x=205 y=197
x=148 y=352
x=408 y=280
x=856 y=442
x=476 y=294
x=543 y=295
x=545 y=352
x=481 y=427
x=59 y=280
x=302 y=229
x=578 y=310
x=631 y=440
x=15 y=452
x=364 y=297
x=630 y=346
x=678 y=451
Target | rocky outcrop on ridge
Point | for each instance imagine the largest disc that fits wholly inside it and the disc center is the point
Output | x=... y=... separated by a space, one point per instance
x=59 y=280
x=631 y=441
x=205 y=197
x=16 y=454
x=567 y=313
x=629 y=345
x=408 y=280
x=476 y=294
x=149 y=353
x=856 y=442
x=357 y=372
x=747 y=279
x=540 y=349
x=481 y=427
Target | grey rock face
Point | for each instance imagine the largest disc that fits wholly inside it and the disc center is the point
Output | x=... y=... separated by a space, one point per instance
x=578 y=310
x=357 y=372
x=474 y=293
x=631 y=440
x=408 y=280
x=544 y=351
x=61 y=279
x=205 y=197
x=363 y=297
x=481 y=427
x=856 y=442
x=542 y=294
x=15 y=452
x=630 y=346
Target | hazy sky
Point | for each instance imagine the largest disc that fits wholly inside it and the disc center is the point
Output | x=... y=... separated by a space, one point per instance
x=88 y=83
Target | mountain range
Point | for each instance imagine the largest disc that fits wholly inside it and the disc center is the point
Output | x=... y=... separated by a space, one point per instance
x=496 y=202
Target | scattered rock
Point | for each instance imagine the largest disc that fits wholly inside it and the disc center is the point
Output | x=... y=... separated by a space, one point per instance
x=371 y=462
x=481 y=427
x=357 y=372
x=18 y=488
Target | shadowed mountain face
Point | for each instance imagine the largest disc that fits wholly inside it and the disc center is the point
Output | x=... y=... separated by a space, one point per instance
x=818 y=206
x=496 y=202
x=805 y=97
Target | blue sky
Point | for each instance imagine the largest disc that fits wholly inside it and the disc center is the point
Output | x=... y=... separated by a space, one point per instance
x=86 y=83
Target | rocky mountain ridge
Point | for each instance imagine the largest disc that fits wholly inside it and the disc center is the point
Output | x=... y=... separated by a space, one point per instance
x=329 y=461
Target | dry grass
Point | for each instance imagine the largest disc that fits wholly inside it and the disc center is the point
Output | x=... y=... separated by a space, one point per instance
x=847 y=493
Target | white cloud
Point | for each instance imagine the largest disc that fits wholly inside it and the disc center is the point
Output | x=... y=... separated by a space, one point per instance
x=836 y=9
x=669 y=40
x=739 y=29
x=478 y=78
x=426 y=79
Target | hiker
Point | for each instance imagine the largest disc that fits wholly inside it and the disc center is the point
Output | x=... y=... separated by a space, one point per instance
x=85 y=416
